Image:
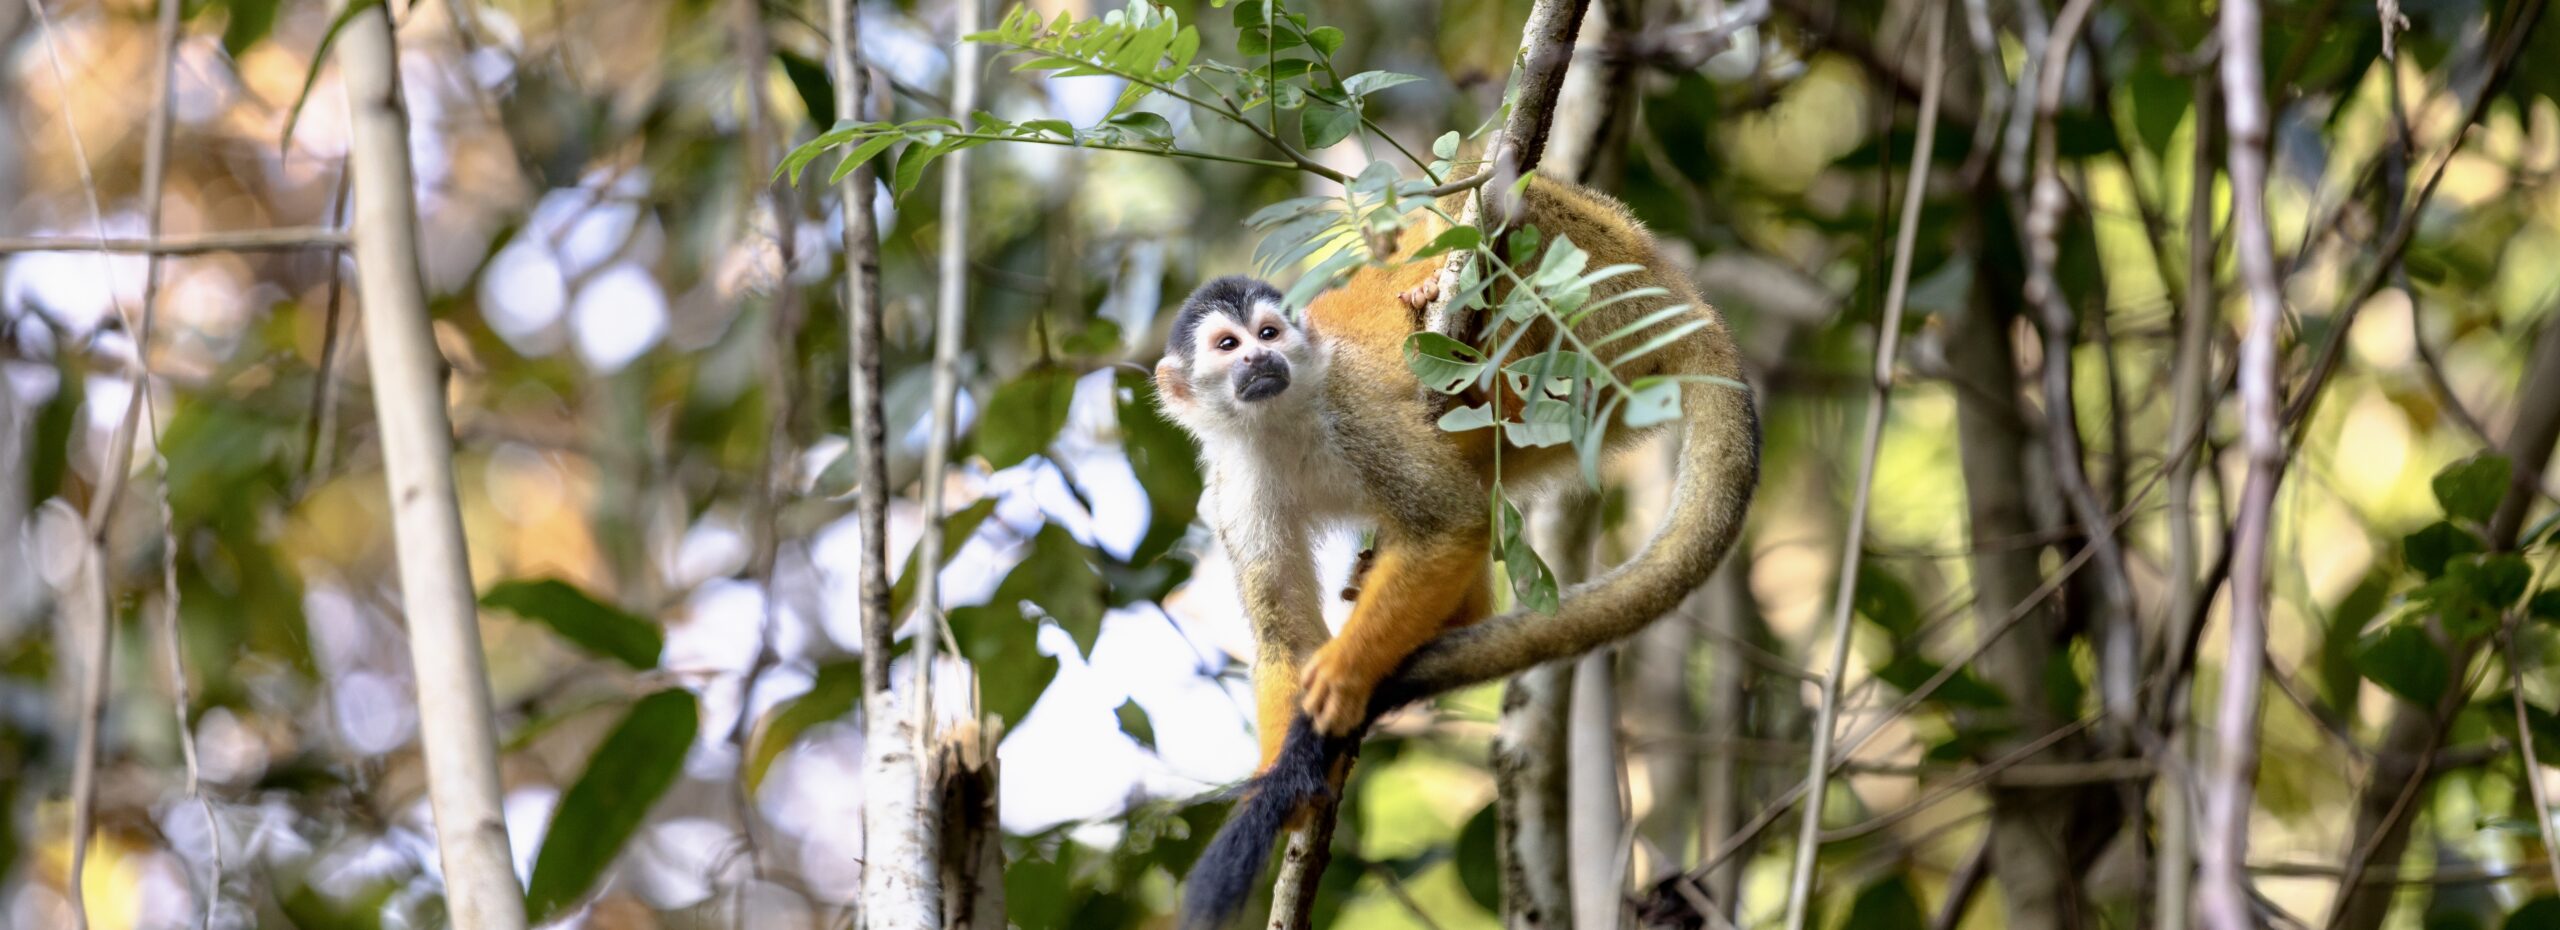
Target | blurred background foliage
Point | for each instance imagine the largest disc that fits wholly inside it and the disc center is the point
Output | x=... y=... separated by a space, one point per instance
x=649 y=390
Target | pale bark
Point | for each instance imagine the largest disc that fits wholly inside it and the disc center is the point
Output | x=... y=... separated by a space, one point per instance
x=901 y=882
x=1595 y=821
x=2224 y=897
x=455 y=729
x=2174 y=865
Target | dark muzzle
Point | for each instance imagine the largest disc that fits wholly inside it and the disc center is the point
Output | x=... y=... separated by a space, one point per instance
x=1262 y=378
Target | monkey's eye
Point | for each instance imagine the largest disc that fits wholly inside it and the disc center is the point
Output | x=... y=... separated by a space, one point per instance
x=1270 y=333
x=1227 y=343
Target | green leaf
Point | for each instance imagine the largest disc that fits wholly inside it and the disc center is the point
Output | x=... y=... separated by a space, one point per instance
x=861 y=155
x=956 y=531
x=1531 y=581
x=1560 y=373
x=1144 y=126
x=1453 y=239
x=1465 y=419
x=2500 y=579
x=2545 y=605
x=580 y=619
x=1887 y=904
x=2405 y=661
x=1368 y=82
x=911 y=168
x=2541 y=913
x=1326 y=39
x=1133 y=721
x=1479 y=867
x=809 y=79
x=608 y=802
x=995 y=636
x=2471 y=489
x=1652 y=402
x=1962 y=689
x=251 y=21
x=1886 y=602
x=320 y=56
x=1058 y=576
x=1025 y=415
x=1444 y=364
x=2429 y=549
x=1663 y=339
x=1161 y=455
x=1323 y=276
x=1446 y=146
x=1545 y=422
x=837 y=689
x=1099 y=337
x=1325 y=124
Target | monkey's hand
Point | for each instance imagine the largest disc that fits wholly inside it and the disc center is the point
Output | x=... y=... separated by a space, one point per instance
x=1419 y=297
x=1334 y=690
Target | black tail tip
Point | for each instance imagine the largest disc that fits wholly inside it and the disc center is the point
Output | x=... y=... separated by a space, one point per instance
x=1229 y=868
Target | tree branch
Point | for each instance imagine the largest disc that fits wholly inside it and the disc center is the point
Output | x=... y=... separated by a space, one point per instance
x=253 y=240
x=1888 y=342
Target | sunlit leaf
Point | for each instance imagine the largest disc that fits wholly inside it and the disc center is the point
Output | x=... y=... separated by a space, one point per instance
x=1464 y=419
x=1652 y=402
x=1367 y=82
x=1444 y=364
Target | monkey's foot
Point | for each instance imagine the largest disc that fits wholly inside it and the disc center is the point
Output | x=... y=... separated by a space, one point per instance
x=1421 y=295
x=1359 y=572
x=1334 y=691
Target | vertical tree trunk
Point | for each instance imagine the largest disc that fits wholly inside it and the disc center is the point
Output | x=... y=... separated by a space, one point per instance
x=2027 y=824
x=1595 y=823
x=455 y=730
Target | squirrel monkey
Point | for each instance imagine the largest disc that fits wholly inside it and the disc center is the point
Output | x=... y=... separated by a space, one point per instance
x=1302 y=427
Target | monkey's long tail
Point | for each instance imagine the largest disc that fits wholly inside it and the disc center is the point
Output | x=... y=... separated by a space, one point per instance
x=1720 y=464
x=1231 y=866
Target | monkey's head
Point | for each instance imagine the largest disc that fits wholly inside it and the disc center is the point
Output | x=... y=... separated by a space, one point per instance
x=1234 y=357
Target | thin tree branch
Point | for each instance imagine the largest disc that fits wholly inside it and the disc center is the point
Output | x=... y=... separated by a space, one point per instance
x=1888 y=343
x=2223 y=900
x=456 y=737
x=255 y=240
x=2118 y=652
x=754 y=52
x=2531 y=765
x=2174 y=863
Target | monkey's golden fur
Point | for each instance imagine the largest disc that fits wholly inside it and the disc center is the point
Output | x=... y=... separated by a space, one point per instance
x=1430 y=584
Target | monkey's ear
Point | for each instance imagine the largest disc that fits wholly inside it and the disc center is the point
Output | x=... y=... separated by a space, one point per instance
x=1173 y=389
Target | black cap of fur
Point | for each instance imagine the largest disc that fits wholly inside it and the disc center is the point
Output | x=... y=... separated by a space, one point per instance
x=1233 y=296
